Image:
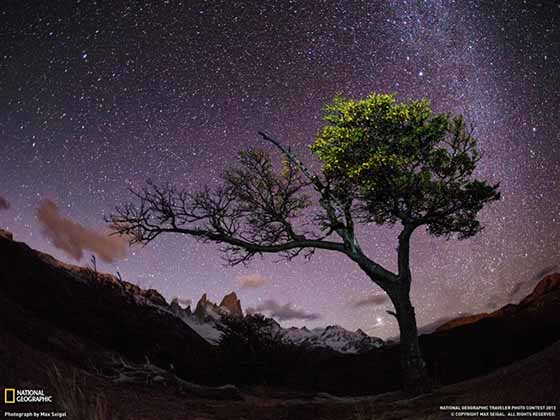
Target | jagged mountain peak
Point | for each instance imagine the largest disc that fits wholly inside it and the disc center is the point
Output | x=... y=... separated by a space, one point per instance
x=232 y=303
x=208 y=310
x=333 y=337
x=334 y=328
x=207 y=317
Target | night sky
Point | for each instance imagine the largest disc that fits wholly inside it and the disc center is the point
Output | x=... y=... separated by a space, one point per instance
x=97 y=97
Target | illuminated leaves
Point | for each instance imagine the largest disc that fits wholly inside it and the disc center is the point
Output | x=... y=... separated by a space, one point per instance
x=404 y=162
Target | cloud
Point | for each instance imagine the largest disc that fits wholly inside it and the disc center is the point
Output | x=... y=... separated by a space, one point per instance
x=4 y=204
x=371 y=300
x=74 y=239
x=252 y=281
x=282 y=312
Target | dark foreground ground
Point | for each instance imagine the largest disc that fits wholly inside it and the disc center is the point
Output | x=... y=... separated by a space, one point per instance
x=532 y=381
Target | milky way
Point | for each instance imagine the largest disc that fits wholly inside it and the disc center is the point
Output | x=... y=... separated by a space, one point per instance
x=96 y=99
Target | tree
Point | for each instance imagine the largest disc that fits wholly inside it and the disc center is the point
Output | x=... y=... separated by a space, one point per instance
x=383 y=163
x=251 y=347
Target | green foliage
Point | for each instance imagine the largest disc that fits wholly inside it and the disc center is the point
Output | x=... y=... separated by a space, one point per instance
x=400 y=161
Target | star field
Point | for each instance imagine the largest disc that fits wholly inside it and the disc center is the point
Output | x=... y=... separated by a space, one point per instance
x=97 y=98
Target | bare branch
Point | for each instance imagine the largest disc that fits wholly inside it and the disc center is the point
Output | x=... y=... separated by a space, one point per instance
x=313 y=178
x=333 y=207
x=255 y=211
x=392 y=313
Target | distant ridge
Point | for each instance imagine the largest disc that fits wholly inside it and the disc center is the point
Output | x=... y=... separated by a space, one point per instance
x=548 y=284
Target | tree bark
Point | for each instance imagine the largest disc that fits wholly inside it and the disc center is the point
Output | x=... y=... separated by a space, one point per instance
x=414 y=374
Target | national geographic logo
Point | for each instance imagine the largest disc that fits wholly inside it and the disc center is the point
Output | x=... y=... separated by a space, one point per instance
x=9 y=395
x=12 y=396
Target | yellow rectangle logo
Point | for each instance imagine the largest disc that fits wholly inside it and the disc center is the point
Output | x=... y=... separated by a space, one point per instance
x=9 y=395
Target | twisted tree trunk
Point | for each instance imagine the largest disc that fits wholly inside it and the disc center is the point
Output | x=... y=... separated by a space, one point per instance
x=414 y=374
x=415 y=379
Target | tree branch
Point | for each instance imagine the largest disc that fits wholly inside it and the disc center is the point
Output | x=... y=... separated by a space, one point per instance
x=315 y=180
x=330 y=203
x=256 y=211
x=392 y=313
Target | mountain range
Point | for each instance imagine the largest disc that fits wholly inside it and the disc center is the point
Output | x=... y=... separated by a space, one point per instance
x=205 y=320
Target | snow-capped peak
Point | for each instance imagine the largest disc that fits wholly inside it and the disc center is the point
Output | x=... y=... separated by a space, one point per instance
x=333 y=337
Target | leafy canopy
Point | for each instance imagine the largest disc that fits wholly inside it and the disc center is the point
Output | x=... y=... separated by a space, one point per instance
x=400 y=161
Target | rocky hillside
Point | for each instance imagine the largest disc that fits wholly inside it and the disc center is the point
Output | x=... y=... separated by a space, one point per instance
x=82 y=314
